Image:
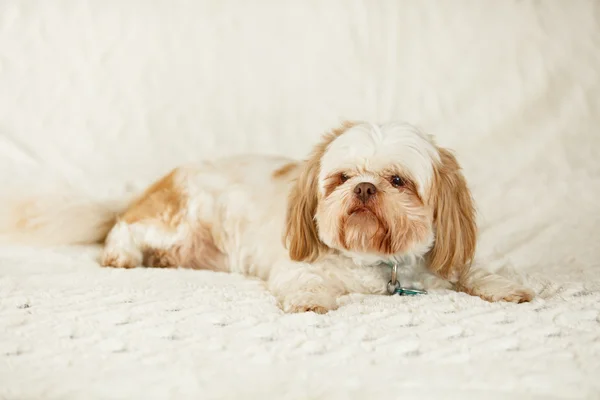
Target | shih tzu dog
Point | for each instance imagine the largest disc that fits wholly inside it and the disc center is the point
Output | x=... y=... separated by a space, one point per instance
x=368 y=196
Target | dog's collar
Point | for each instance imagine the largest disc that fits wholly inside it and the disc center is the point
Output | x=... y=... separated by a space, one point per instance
x=394 y=287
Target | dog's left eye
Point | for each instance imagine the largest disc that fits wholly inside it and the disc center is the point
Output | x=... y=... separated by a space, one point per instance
x=397 y=181
x=344 y=177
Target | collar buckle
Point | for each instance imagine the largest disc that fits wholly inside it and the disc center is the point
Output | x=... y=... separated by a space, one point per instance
x=393 y=284
x=394 y=287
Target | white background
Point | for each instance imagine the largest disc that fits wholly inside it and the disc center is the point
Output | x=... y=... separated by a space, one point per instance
x=107 y=95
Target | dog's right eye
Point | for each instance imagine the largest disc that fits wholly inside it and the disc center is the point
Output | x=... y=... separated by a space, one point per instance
x=344 y=177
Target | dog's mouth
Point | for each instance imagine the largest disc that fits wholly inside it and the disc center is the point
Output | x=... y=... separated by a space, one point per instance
x=363 y=216
x=362 y=210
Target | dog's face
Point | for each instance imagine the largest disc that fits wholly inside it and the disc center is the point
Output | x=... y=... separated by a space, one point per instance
x=386 y=191
x=373 y=183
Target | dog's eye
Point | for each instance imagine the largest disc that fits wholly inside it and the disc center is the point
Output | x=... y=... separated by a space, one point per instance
x=344 y=177
x=397 y=181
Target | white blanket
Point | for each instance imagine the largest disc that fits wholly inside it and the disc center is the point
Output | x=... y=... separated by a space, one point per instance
x=102 y=97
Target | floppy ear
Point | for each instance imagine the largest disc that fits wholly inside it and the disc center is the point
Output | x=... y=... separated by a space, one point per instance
x=301 y=235
x=453 y=220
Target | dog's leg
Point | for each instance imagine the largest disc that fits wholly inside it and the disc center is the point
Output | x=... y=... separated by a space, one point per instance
x=493 y=287
x=142 y=243
x=301 y=287
x=152 y=230
x=155 y=245
x=316 y=287
x=120 y=248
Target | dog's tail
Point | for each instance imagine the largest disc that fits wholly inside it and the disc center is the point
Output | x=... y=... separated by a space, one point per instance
x=57 y=219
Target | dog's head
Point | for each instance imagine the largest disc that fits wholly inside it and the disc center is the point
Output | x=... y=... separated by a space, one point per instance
x=382 y=190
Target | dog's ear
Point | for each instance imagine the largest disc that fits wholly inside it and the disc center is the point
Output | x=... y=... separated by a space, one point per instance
x=301 y=232
x=453 y=219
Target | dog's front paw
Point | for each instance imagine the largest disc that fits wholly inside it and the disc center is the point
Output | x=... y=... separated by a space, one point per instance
x=309 y=302
x=120 y=259
x=492 y=287
x=514 y=294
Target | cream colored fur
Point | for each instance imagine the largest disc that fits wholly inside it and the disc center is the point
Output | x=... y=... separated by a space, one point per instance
x=231 y=215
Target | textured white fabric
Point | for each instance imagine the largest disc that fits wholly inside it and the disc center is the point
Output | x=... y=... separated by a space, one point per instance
x=103 y=96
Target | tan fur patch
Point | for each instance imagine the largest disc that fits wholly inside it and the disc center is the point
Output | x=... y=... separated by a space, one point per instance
x=163 y=202
x=285 y=170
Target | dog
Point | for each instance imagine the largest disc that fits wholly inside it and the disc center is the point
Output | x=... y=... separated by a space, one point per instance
x=368 y=196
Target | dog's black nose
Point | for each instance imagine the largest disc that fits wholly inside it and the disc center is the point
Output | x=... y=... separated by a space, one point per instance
x=364 y=191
